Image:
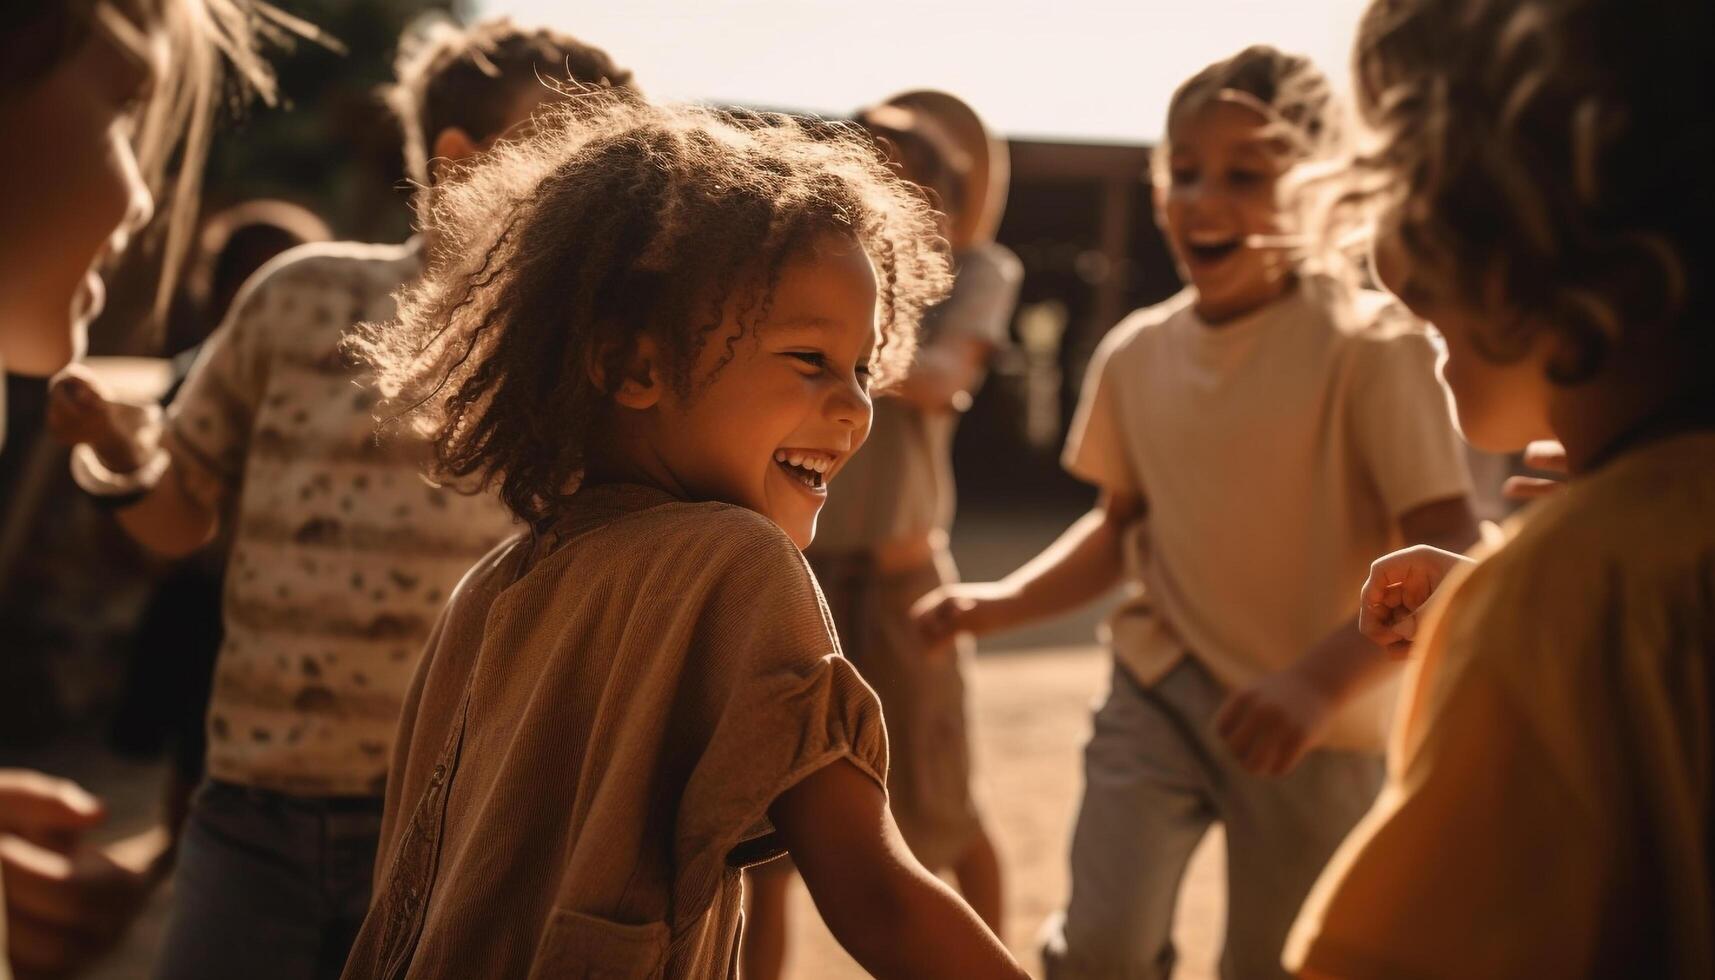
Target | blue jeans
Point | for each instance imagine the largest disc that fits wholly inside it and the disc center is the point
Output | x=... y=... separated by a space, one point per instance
x=1156 y=776
x=269 y=885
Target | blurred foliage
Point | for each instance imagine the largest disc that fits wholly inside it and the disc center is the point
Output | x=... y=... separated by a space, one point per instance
x=331 y=144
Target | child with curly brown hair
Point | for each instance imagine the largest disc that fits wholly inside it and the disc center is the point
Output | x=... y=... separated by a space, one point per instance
x=1540 y=177
x=655 y=329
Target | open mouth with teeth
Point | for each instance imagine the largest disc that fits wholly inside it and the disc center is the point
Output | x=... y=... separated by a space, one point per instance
x=806 y=466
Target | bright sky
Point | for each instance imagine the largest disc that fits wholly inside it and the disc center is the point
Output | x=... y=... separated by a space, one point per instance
x=1075 y=69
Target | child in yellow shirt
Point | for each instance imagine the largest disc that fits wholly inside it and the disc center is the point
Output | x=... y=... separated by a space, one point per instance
x=1543 y=197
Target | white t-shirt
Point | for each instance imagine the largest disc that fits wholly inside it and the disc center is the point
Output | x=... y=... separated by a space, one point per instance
x=1276 y=453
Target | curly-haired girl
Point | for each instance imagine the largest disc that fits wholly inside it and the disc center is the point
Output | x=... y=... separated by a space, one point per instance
x=655 y=329
x=1541 y=175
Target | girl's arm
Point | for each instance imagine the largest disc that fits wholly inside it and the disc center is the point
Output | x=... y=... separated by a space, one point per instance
x=1273 y=723
x=167 y=520
x=895 y=918
x=1083 y=563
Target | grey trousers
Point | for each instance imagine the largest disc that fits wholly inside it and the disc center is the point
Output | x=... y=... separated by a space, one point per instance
x=269 y=886
x=1156 y=776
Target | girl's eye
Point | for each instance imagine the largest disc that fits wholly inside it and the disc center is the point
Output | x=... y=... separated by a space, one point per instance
x=815 y=359
x=1183 y=175
x=1246 y=178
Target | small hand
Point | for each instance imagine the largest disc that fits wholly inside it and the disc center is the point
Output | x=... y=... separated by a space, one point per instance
x=1272 y=724
x=66 y=902
x=65 y=910
x=965 y=607
x=1544 y=454
x=80 y=411
x=1398 y=586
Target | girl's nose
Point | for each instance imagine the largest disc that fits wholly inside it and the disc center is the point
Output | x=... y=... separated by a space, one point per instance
x=139 y=205
x=850 y=406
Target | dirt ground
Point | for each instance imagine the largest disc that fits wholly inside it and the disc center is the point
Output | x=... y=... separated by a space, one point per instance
x=1031 y=711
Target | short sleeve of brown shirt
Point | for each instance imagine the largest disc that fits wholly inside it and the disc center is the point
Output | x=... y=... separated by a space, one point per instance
x=772 y=697
x=589 y=752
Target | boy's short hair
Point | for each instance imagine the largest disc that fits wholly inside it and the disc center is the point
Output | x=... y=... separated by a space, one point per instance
x=1551 y=154
x=468 y=77
x=613 y=220
x=1290 y=87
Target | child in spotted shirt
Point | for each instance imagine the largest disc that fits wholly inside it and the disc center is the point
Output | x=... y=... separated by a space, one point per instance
x=341 y=556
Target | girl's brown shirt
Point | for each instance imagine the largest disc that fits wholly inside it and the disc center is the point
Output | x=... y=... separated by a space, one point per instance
x=589 y=749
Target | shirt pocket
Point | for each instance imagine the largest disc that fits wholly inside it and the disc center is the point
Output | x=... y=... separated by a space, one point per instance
x=577 y=946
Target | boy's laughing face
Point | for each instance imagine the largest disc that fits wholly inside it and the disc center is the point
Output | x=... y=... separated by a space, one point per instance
x=1218 y=208
x=777 y=407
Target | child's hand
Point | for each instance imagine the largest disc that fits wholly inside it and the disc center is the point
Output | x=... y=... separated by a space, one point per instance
x=1271 y=725
x=1398 y=586
x=80 y=411
x=965 y=607
x=1544 y=454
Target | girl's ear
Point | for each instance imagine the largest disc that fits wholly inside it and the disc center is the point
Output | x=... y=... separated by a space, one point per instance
x=639 y=385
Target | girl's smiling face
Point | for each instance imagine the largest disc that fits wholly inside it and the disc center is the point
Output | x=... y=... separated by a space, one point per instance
x=73 y=191
x=775 y=407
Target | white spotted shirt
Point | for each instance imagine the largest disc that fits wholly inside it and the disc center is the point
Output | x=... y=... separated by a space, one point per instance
x=342 y=554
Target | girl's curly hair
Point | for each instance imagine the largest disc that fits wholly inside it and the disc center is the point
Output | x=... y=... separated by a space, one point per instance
x=615 y=218
x=1549 y=154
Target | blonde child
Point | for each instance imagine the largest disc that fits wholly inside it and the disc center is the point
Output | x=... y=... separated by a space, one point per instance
x=1549 y=797
x=340 y=557
x=656 y=332
x=95 y=97
x=1257 y=440
x=881 y=541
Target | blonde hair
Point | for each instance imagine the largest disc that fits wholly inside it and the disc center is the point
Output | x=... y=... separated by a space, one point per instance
x=203 y=38
x=1549 y=156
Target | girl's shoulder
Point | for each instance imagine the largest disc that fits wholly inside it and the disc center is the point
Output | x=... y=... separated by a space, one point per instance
x=657 y=537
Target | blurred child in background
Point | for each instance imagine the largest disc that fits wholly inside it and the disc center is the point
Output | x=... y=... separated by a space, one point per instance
x=1549 y=797
x=164 y=697
x=95 y=97
x=341 y=557
x=881 y=540
x=1258 y=440
x=657 y=336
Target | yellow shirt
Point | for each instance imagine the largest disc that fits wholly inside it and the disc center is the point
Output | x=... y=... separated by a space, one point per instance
x=1277 y=453
x=1548 y=805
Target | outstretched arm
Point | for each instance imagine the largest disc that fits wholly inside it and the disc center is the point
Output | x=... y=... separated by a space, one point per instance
x=1083 y=563
x=1272 y=724
x=894 y=917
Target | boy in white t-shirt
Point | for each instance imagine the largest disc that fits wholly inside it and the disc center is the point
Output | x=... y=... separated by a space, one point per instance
x=1258 y=441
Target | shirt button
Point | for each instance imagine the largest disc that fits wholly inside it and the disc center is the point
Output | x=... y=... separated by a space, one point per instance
x=439 y=774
